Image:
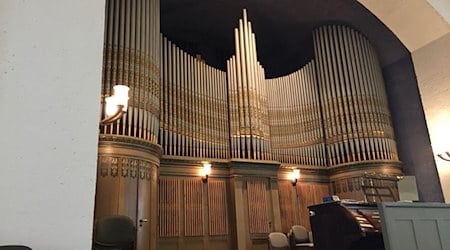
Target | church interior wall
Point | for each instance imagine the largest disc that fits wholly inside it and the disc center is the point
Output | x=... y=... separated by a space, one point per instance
x=40 y=199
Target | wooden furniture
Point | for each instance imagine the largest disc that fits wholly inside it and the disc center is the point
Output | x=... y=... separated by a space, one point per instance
x=338 y=226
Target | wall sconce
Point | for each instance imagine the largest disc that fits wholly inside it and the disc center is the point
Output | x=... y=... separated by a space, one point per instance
x=206 y=171
x=294 y=176
x=116 y=105
x=446 y=157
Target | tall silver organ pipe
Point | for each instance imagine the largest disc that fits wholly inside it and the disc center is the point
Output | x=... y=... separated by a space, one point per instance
x=331 y=111
x=357 y=120
x=295 y=118
x=194 y=115
x=250 y=137
x=132 y=58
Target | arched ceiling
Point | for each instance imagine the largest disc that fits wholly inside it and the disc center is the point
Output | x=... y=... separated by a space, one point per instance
x=415 y=22
x=283 y=29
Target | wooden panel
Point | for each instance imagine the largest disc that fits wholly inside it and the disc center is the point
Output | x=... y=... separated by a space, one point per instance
x=116 y=186
x=305 y=198
x=219 y=244
x=193 y=207
x=192 y=243
x=168 y=243
x=287 y=206
x=307 y=195
x=107 y=193
x=257 y=205
x=217 y=207
x=320 y=190
x=260 y=244
x=169 y=207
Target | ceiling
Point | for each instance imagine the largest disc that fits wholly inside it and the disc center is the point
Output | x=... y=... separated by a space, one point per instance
x=283 y=29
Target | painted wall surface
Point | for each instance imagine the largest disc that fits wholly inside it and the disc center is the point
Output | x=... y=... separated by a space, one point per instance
x=50 y=78
x=423 y=26
x=442 y=7
x=411 y=132
x=432 y=65
x=415 y=22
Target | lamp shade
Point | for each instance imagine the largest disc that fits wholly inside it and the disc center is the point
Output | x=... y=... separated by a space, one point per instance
x=111 y=106
x=206 y=170
x=121 y=95
x=294 y=175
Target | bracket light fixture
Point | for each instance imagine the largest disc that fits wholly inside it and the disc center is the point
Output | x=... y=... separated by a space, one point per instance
x=206 y=171
x=294 y=176
x=116 y=105
x=445 y=156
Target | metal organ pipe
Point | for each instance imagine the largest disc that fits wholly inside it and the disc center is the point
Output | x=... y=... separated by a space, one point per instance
x=132 y=48
x=352 y=97
x=195 y=114
x=253 y=122
x=295 y=121
x=332 y=111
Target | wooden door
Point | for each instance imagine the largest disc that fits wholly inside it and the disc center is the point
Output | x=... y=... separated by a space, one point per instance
x=259 y=214
x=143 y=218
x=128 y=186
x=147 y=207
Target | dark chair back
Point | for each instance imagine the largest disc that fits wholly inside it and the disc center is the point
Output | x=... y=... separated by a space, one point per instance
x=115 y=232
x=14 y=247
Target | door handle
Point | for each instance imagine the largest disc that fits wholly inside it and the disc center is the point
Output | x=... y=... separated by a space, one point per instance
x=142 y=221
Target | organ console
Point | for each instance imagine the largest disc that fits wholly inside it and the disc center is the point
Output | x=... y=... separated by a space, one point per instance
x=346 y=226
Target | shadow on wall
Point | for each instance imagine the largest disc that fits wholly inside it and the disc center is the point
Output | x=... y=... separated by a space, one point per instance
x=413 y=141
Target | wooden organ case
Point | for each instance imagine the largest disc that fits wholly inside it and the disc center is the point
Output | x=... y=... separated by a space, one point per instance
x=341 y=226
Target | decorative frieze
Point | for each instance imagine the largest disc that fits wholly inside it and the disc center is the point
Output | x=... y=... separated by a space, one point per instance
x=124 y=167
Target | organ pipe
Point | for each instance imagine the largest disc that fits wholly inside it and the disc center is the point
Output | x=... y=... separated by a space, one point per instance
x=332 y=111
x=295 y=121
x=249 y=122
x=194 y=121
x=357 y=119
x=131 y=57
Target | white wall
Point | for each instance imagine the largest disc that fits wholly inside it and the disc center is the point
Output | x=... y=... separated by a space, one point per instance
x=415 y=22
x=50 y=78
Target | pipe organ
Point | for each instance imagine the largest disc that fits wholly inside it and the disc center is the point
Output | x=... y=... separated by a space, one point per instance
x=194 y=117
x=329 y=118
x=249 y=125
x=332 y=111
x=295 y=118
x=355 y=111
x=132 y=57
x=128 y=154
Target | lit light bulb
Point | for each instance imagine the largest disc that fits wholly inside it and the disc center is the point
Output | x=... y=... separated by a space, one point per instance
x=206 y=170
x=121 y=95
x=294 y=176
x=111 y=106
